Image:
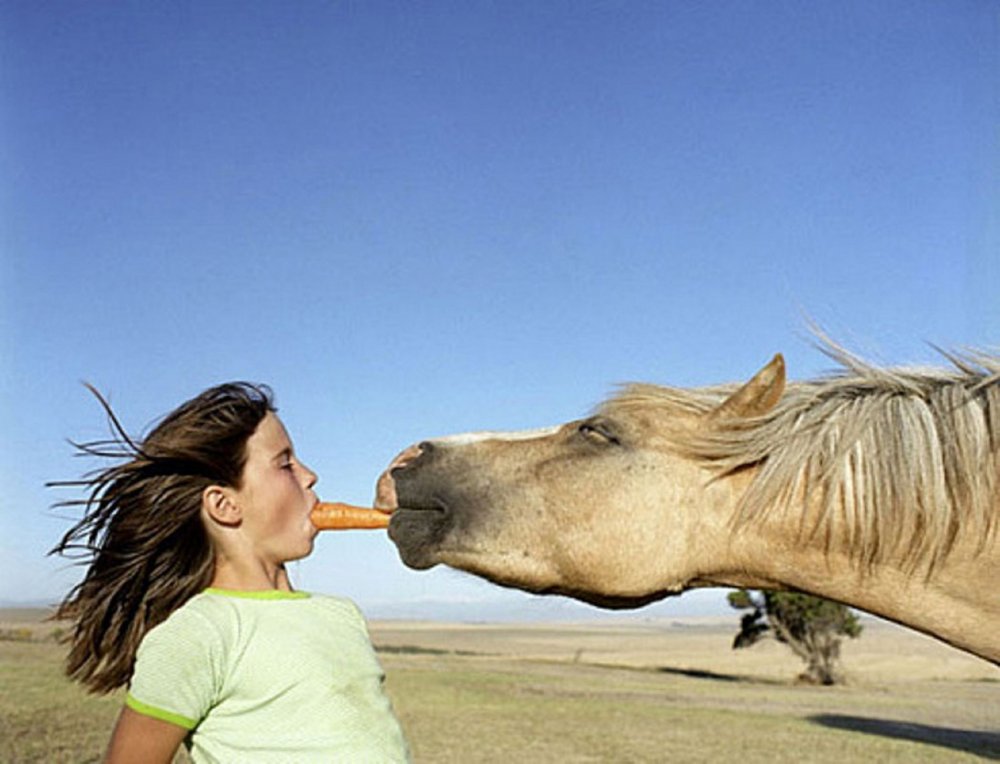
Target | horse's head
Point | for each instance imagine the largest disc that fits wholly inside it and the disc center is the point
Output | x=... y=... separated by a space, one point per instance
x=604 y=508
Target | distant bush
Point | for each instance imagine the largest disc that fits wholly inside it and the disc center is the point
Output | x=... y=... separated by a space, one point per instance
x=811 y=626
x=34 y=633
x=417 y=650
x=18 y=634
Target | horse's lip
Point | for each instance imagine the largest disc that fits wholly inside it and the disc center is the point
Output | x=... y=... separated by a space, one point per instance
x=417 y=531
x=415 y=501
x=406 y=518
x=438 y=508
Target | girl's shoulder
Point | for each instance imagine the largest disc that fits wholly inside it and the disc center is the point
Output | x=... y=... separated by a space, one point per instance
x=198 y=614
x=194 y=632
x=338 y=605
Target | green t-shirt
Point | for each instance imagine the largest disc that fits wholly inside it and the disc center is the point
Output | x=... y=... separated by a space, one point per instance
x=268 y=677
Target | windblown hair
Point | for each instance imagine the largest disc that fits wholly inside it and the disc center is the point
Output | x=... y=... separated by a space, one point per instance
x=141 y=535
x=903 y=461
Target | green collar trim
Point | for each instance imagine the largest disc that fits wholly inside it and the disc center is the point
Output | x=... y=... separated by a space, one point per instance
x=263 y=594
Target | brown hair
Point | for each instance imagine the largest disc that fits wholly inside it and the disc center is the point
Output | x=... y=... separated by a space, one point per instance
x=141 y=536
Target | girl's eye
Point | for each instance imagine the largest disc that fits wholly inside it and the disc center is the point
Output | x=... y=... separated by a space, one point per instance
x=286 y=466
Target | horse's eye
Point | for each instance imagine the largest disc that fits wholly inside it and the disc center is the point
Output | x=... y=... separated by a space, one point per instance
x=598 y=433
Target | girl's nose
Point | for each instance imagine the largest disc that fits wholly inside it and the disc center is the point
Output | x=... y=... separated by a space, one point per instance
x=310 y=476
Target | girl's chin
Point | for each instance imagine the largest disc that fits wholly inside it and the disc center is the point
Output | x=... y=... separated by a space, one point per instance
x=305 y=548
x=311 y=531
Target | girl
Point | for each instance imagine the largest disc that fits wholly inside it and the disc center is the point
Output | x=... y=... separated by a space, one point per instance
x=187 y=601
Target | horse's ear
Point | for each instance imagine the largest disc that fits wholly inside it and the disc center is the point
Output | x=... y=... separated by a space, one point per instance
x=756 y=397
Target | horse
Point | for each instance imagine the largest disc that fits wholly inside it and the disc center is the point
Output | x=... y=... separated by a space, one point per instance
x=874 y=487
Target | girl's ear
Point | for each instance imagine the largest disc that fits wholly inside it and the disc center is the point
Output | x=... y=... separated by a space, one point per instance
x=218 y=503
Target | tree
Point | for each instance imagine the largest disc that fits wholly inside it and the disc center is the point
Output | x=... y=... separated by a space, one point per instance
x=811 y=626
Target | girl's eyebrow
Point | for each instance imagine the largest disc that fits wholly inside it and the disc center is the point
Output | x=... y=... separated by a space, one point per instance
x=285 y=453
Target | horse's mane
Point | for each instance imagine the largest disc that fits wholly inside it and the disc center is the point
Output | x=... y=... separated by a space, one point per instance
x=910 y=454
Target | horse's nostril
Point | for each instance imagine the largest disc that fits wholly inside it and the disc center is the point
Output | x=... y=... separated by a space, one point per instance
x=425 y=447
x=409 y=457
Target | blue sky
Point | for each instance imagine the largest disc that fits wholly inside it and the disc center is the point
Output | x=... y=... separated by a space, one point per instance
x=417 y=219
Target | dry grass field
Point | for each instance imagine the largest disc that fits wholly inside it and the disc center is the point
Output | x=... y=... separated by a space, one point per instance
x=626 y=691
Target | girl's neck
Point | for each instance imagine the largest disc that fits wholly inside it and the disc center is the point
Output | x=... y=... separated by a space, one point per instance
x=250 y=578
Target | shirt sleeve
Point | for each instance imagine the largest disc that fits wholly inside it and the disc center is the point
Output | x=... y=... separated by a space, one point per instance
x=176 y=671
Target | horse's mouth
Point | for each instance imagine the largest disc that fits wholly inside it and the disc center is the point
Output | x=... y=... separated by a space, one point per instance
x=417 y=532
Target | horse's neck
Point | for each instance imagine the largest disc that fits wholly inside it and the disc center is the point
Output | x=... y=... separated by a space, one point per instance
x=957 y=603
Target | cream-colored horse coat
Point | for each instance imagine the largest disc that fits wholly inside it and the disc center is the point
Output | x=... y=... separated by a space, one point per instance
x=877 y=488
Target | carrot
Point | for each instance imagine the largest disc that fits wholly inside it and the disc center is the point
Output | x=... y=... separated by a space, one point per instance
x=336 y=516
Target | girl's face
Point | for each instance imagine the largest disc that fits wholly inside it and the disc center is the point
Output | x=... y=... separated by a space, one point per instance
x=276 y=496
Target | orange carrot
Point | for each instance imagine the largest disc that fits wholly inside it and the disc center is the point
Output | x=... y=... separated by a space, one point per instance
x=335 y=516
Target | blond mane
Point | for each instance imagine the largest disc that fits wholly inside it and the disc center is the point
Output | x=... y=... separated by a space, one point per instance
x=904 y=459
